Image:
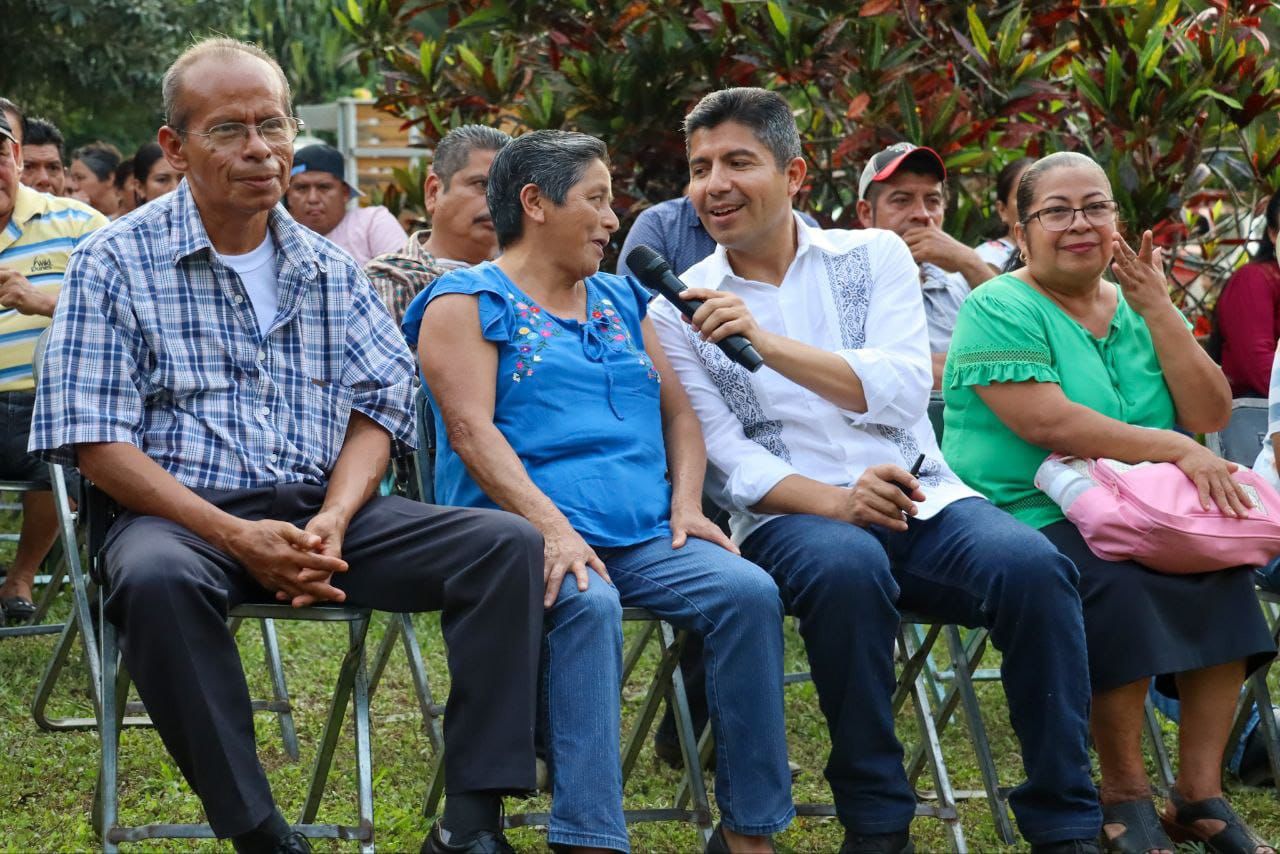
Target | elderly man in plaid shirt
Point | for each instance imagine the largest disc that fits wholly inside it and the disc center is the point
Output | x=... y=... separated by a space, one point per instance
x=231 y=379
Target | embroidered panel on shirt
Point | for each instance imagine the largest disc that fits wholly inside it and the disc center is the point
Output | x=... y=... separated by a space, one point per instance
x=930 y=469
x=734 y=384
x=849 y=276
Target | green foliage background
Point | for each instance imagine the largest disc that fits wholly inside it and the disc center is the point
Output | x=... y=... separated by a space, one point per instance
x=94 y=66
x=1151 y=88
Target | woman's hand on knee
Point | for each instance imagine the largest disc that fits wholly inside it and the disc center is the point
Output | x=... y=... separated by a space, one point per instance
x=564 y=552
x=690 y=522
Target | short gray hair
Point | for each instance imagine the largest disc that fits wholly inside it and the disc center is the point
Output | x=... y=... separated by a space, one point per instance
x=175 y=115
x=551 y=160
x=766 y=113
x=455 y=147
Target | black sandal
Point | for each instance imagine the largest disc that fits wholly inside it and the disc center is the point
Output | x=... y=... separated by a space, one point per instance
x=18 y=609
x=1236 y=837
x=1142 y=831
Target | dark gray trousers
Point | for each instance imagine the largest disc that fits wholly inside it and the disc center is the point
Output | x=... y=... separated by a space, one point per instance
x=170 y=591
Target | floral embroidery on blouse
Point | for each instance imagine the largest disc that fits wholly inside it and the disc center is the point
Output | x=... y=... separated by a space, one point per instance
x=616 y=337
x=532 y=336
x=535 y=330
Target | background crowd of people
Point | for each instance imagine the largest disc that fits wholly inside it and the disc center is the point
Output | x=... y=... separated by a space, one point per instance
x=231 y=358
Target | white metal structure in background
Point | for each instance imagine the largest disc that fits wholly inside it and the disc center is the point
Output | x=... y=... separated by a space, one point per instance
x=371 y=141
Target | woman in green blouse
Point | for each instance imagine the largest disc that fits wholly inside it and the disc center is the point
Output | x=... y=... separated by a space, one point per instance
x=1052 y=357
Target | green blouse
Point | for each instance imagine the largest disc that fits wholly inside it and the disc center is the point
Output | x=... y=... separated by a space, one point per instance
x=1009 y=332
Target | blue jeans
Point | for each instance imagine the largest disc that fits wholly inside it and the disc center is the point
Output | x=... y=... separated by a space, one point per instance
x=970 y=564
x=699 y=587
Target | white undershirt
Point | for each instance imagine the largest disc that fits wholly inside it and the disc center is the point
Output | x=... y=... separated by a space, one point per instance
x=257 y=270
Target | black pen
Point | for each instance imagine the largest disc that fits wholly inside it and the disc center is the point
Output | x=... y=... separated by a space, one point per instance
x=915 y=471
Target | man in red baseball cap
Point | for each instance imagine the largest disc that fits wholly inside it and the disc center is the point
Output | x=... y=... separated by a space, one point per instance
x=903 y=189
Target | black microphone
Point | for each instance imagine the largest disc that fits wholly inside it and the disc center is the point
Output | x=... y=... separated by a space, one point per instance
x=654 y=273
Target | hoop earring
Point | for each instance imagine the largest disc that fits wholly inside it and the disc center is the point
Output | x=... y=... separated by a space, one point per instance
x=1022 y=256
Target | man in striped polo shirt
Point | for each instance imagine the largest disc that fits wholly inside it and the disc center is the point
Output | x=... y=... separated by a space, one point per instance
x=37 y=235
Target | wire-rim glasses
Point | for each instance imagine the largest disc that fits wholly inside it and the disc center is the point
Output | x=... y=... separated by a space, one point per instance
x=277 y=130
x=1060 y=217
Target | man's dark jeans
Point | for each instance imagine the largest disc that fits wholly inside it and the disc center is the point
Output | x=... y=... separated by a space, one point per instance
x=970 y=564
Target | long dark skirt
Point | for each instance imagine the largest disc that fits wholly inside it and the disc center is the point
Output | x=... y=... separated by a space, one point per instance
x=1139 y=623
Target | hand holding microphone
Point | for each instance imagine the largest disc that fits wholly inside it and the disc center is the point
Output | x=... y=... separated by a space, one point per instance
x=654 y=273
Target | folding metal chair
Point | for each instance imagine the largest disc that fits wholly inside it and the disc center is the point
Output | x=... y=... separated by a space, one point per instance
x=83 y=590
x=913 y=684
x=113 y=685
x=1240 y=441
x=351 y=688
x=1257 y=694
x=667 y=681
x=53 y=577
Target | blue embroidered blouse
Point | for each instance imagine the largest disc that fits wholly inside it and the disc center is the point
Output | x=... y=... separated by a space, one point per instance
x=578 y=402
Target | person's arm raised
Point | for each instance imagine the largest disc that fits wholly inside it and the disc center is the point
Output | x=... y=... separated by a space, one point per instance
x=459 y=366
x=274 y=552
x=933 y=245
x=1201 y=393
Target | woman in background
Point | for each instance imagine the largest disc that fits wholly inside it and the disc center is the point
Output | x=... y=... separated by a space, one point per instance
x=91 y=178
x=999 y=250
x=152 y=174
x=1248 y=315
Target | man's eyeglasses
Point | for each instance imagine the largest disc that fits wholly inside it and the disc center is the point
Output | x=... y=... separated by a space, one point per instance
x=279 y=130
x=1060 y=218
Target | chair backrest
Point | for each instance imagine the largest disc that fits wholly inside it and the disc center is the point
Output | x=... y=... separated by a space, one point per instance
x=1242 y=438
x=936 y=407
x=425 y=456
x=37 y=353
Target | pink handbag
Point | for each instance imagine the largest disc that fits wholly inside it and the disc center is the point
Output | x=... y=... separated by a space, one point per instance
x=1151 y=513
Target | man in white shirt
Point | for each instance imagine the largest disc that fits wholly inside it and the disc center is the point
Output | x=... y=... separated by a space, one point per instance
x=810 y=455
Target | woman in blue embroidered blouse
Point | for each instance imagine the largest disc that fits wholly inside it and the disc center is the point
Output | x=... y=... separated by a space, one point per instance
x=554 y=400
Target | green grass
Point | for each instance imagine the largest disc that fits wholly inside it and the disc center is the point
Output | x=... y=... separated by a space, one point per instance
x=47 y=780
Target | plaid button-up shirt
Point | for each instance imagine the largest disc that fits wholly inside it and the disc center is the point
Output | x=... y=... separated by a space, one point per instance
x=155 y=343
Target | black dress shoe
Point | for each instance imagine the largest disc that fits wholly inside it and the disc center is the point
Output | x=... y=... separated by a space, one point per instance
x=878 y=843
x=484 y=842
x=294 y=843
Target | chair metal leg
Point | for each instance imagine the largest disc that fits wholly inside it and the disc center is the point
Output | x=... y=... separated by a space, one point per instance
x=636 y=650
x=687 y=737
x=79 y=622
x=364 y=751
x=105 y=803
x=946 y=809
x=352 y=664
x=1156 y=737
x=652 y=702
x=435 y=788
x=1257 y=684
x=964 y=667
x=400 y=627
x=279 y=690
x=385 y=647
x=57 y=579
